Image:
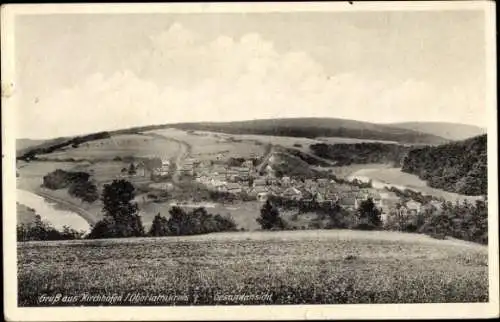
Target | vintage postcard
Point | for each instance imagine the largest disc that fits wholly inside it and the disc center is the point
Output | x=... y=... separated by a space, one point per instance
x=236 y=161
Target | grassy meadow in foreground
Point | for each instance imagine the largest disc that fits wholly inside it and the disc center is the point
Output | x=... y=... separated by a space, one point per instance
x=293 y=267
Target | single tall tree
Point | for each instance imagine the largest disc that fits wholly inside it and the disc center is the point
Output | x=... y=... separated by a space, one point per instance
x=369 y=214
x=121 y=218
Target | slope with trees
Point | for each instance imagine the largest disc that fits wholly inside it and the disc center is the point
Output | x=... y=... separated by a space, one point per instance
x=361 y=153
x=459 y=167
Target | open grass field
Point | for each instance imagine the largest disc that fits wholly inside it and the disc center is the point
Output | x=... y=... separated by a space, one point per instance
x=118 y=146
x=292 y=267
x=209 y=145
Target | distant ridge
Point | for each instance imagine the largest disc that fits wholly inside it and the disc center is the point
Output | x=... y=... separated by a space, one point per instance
x=311 y=127
x=316 y=127
x=447 y=130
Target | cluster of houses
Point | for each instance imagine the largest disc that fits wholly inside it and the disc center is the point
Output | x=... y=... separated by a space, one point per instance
x=246 y=178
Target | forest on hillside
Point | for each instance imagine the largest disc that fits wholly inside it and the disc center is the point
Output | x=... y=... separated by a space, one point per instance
x=361 y=153
x=459 y=167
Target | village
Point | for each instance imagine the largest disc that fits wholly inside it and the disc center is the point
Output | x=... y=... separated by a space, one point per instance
x=254 y=182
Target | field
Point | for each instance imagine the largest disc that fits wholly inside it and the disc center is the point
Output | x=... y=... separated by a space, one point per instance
x=294 y=267
x=117 y=146
x=209 y=145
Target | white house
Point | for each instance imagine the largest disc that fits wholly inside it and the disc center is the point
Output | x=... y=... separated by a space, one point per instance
x=292 y=193
x=262 y=196
x=413 y=206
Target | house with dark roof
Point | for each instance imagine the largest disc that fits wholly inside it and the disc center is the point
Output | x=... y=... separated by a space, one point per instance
x=259 y=182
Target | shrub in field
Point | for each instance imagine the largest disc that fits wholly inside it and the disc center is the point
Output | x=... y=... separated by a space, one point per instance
x=270 y=217
x=78 y=184
x=198 y=221
x=85 y=190
x=121 y=218
x=60 y=179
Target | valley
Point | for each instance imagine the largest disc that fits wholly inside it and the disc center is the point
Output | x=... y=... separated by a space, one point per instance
x=320 y=253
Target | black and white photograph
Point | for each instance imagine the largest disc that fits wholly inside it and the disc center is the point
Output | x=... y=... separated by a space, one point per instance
x=304 y=159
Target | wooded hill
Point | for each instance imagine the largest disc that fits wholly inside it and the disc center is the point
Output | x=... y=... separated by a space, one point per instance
x=459 y=167
x=316 y=127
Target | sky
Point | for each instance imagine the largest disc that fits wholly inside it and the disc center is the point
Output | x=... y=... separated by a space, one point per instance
x=83 y=73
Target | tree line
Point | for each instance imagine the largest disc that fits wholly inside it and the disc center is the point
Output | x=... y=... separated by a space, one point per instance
x=466 y=221
x=41 y=230
x=57 y=144
x=330 y=216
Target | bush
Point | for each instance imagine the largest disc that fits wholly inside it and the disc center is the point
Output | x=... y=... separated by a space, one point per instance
x=60 y=179
x=86 y=190
x=198 y=221
x=159 y=226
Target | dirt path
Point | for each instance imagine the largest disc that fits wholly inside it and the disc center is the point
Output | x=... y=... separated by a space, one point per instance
x=184 y=151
